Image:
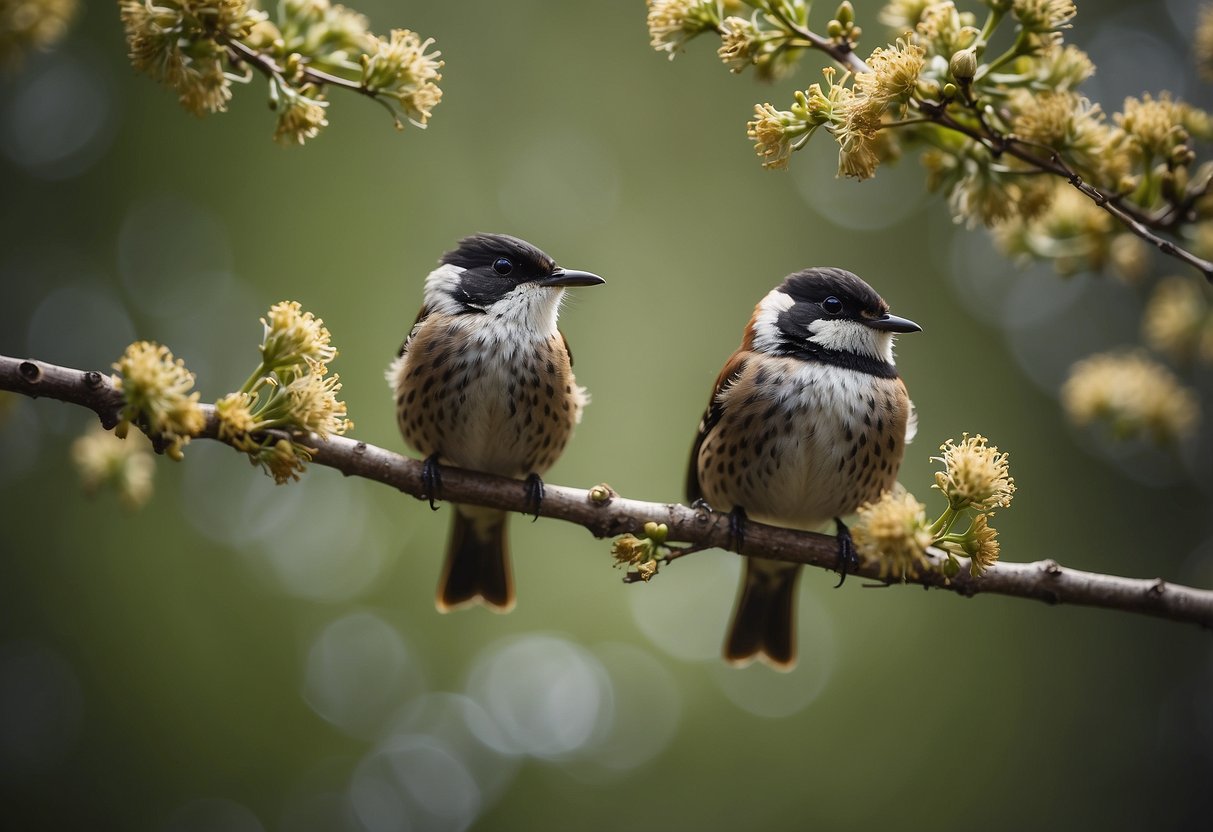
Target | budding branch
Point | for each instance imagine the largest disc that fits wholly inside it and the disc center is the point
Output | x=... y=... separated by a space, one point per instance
x=610 y=514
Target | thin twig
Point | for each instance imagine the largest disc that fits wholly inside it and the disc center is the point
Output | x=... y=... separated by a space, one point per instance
x=605 y=514
x=268 y=67
x=998 y=144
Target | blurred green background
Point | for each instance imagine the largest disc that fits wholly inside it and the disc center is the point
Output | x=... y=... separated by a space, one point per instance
x=241 y=656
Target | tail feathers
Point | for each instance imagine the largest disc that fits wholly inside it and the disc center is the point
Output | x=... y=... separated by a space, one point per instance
x=764 y=622
x=477 y=568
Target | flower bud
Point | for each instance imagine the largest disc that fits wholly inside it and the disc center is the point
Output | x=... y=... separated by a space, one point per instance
x=963 y=65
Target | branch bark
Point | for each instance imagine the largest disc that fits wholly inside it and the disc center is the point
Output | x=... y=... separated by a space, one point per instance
x=1044 y=580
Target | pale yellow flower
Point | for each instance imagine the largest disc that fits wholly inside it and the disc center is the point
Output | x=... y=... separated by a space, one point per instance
x=26 y=25
x=401 y=68
x=739 y=43
x=1203 y=47
x=1043 y=15
x=976 y=475
x=236 y=420
x=904 y=14
x=982 y=546
x=773 y=132
x=157 y=392
x=284 y=460
x=893 y=532
x=294 y=337
x=102 y=459
x=301 y=116
x=1176 y=317
x=313 y=405
x=1134 y=393
x=1154 y=126
x=894 y=73
x=674 y=22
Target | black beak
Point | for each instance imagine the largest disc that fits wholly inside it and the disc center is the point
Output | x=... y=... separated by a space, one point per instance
x=571 y=277
x=892 y=323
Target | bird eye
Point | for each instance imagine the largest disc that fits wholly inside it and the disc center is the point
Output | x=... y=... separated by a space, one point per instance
x=503 y=266
x=831 y=305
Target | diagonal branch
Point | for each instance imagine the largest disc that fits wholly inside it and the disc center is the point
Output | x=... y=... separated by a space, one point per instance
x=607 y=514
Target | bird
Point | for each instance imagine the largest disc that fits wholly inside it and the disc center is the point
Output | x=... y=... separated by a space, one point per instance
x=808 y=421
x=484 y=381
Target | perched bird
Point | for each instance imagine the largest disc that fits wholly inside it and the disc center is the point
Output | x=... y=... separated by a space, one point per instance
x=808 y=421
x=484 y=381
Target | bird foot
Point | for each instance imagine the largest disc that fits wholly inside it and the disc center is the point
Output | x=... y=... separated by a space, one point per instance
x=534 y=495
x=431 y=480
x=847 y=559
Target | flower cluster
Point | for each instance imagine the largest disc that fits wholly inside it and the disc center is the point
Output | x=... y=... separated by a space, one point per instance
x=1133 y=393
x=158 y=396
x=27 y=25
x=641 y=556
x=894 y=532
x=401 y=70
x=200 y=48
x=289 y=394
x=1005 y=135
x=126 y=465
x=1178 y=321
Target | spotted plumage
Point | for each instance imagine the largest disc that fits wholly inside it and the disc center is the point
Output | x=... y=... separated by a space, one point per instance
x=484 y=381
x=808 y=420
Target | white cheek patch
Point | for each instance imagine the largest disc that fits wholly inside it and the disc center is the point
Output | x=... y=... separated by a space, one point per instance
x=440 y=288
x=766 y=332
x=852 y=337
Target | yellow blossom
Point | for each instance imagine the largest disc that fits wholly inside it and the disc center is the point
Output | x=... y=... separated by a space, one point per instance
x=629 y=550
x=894 y=74
x=893 y=532
x=284 y=460
x=1060 y=120
x=125 y=464
x=981 y=546
x=156 y=390
x=181 y=43
x=313 y=405
x=301 y=116
x=1043 y=15
x=293 y=337
x=1134 y=393
x=772 y=132
x=1203 y=47
x=904 y=14
x=1154 y=126
x=32 y=24
x=401 y=68
x=674 y=22
x=1060 y=68
x=739 y=43
x=236 y=421
x=1176 y=317
x=976 y=475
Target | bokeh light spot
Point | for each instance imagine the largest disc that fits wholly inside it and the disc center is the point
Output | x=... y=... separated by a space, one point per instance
x=358 y=672
x=549 y=697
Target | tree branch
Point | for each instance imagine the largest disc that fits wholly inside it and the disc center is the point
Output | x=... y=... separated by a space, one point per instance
x=998 y=143
x=606 y=514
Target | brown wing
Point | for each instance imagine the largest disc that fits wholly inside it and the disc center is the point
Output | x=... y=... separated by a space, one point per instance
x=733 y=368
x=421 y=316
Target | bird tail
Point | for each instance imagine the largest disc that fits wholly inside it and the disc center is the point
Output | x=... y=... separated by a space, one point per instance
x=477 y=567
x=764 y=621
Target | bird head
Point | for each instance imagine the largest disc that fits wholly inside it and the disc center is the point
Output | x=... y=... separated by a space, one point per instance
x=826 y=314
x=503 y=276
